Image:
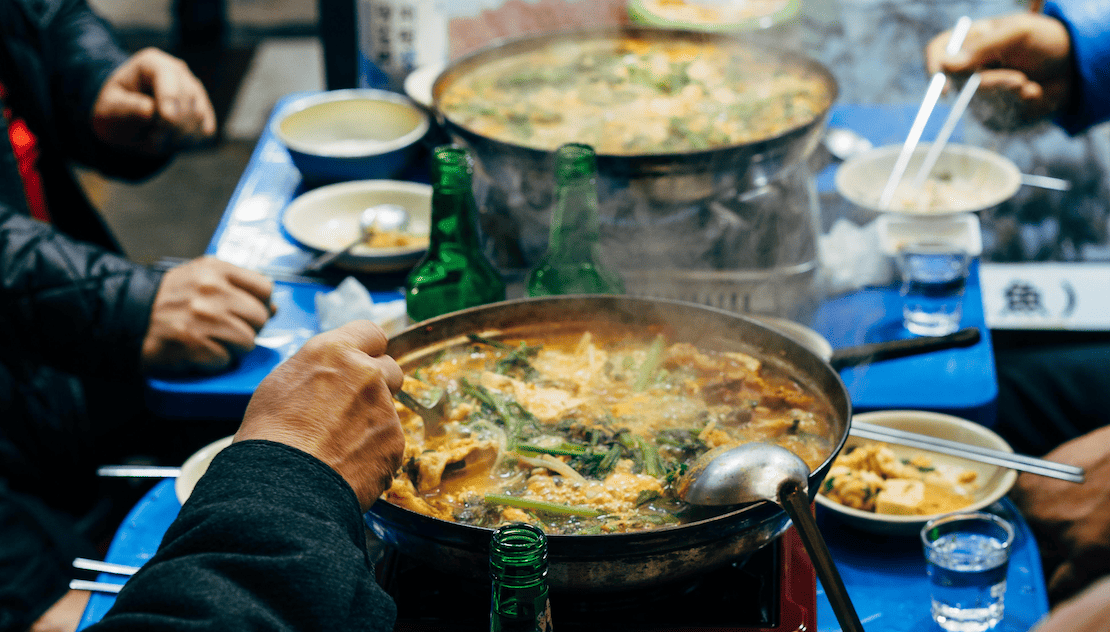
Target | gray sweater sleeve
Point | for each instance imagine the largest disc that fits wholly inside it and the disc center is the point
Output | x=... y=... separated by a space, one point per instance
x=271 y=538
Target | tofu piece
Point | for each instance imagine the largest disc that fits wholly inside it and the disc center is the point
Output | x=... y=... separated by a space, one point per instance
x=900 y=497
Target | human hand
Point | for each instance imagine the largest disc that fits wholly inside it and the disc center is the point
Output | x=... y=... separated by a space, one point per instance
x=1023 y=64
x=206 y=314
x=1071 y=521
x=153 y=104
x=333 y=399
x=1087 y=612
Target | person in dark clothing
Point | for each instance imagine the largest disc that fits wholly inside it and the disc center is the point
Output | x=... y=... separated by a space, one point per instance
x=273 y=536
x=81 y=326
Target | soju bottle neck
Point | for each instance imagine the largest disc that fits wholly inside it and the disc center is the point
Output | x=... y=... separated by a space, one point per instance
x=453 y=207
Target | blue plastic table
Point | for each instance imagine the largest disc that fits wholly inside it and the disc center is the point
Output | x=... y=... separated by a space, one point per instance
x=959 y=382
x=884 y=575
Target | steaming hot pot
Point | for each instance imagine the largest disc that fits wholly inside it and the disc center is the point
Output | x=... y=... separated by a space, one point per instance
x=617 y=561
x=689 y=221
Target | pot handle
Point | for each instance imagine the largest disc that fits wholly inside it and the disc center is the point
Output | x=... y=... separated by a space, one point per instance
x=876 y=351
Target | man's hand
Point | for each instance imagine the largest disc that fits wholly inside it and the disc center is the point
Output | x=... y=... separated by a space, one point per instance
x=1023 y=63
x=205 y=315
x=1071 y=521
x=334 y=400
x=153 y=104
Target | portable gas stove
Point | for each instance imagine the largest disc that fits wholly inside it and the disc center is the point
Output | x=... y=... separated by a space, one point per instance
x=774 y=590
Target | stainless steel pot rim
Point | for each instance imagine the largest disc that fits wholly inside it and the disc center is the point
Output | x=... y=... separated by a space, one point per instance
x=610 y=162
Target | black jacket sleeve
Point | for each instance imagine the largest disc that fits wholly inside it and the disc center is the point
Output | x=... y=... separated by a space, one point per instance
x=271 y=538
x=59 y=53
x=68 y=304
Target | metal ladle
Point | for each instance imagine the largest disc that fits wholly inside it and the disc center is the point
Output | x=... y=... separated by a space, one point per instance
x=759 y=471
x=373 y=219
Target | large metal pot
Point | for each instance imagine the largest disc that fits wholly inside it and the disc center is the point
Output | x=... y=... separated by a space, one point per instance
x=625 y=560
x=741 y=207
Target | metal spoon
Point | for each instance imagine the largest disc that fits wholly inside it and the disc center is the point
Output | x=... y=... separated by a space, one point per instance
x=373 y=219
x=844 y=143
x=760 y=471
x=433 y=415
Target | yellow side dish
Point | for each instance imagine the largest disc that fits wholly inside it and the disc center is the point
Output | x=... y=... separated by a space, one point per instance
x=871 y=477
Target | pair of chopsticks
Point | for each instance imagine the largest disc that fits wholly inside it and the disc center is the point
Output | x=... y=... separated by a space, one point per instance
x=1009 y=460
x=100 y=567
x=932 y=94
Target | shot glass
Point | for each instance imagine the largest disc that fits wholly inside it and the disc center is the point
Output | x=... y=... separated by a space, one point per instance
x=967 y=557
x=934 y=275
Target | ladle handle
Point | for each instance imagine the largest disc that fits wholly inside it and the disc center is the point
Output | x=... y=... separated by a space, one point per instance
x=796 y=503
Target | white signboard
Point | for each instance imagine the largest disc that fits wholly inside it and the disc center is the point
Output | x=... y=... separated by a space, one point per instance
x=1039 y=296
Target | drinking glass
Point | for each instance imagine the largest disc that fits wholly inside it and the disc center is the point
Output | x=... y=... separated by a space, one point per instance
x=968 y=555
x=934 y=275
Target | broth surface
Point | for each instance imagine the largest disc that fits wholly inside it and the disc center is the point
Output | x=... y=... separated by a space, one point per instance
x=588 y=431
x=628 y=96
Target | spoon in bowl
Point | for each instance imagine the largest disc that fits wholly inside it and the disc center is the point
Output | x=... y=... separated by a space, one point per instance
x=761 y=471
x=382 y=217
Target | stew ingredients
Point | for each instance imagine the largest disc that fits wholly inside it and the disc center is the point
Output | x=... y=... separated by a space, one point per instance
x=871 y=477
x=634 y=95
x=586 y=431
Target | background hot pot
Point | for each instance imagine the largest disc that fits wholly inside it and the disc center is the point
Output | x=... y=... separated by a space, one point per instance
x=735 y=215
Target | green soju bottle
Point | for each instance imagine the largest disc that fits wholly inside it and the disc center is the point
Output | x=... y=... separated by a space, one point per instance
x=518 y=569
x=571 y=264
x=454 y=274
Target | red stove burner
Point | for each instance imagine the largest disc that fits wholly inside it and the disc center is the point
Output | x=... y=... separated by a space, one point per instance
x=774 y=590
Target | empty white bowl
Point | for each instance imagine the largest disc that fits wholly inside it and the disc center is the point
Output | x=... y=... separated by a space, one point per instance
x=358 y=134
x=965 y=179
x=325 y=219
x=992 y=481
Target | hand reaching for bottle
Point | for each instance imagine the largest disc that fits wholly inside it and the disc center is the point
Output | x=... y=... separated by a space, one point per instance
x=205 y=315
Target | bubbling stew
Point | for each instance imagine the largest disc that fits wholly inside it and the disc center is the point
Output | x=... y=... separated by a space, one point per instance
x=585 y=431
x=636 y=95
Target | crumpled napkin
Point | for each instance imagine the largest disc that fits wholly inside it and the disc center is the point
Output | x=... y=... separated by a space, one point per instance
x=851 y=258
x=350 y=300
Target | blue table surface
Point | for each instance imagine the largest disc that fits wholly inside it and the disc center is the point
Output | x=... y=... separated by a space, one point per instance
x=884 y=575
x=959 y=382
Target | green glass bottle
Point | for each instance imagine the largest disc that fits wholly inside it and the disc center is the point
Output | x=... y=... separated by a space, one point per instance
x=571 y=264
x=454 y=274
x=518 y=570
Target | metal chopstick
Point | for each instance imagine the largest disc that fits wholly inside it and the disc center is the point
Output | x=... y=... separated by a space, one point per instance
x=104 y=567
x=138 y=471
x=104 y=587
x=975 y=453
x=932 y=94
x=946 y=130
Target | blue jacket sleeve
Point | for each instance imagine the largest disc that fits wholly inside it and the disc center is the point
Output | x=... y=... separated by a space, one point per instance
x=270 y=538
x=1088 y=22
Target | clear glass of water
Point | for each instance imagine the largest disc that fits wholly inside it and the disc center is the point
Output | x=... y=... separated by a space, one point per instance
x=968 y=555
x=934 y=275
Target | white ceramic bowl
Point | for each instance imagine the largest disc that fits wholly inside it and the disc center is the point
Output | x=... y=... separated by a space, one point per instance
x=195 y=466
x=326 y=219
x=993 y=482
x=965 y=179
x=351 y=134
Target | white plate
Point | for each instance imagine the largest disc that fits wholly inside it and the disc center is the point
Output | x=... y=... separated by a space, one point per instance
x=195 y=466
x=326 y=219
x=994 y=482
